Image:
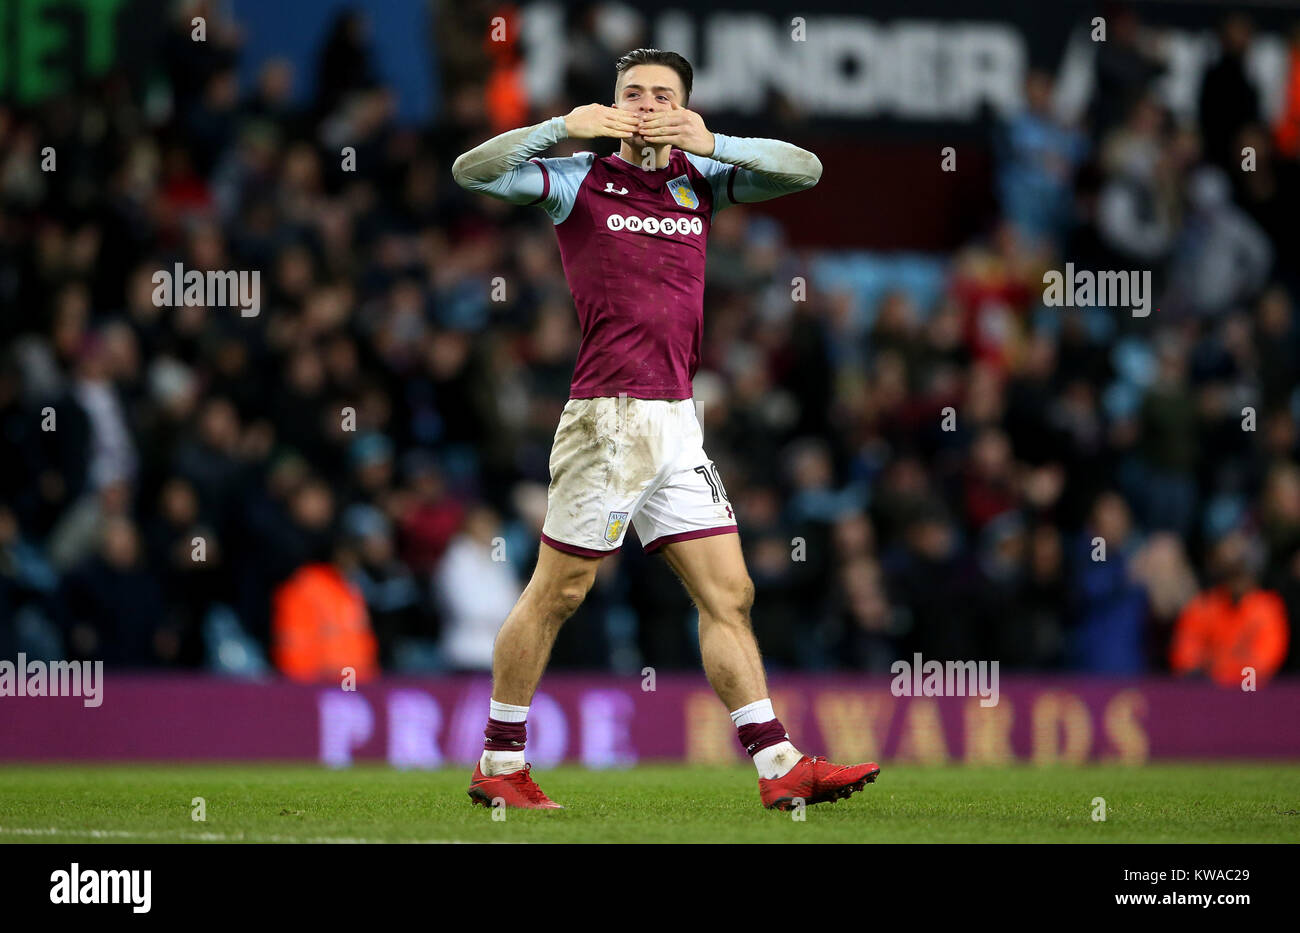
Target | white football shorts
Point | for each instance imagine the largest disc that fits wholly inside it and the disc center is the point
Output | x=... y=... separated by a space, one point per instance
x=620 y=460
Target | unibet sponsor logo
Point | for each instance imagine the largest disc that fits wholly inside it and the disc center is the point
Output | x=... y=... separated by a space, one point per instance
x=667 y=226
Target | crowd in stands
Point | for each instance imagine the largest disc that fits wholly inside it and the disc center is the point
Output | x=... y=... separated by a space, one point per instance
x=360 y=471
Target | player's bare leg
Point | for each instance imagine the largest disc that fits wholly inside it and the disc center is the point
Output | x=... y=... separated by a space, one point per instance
x=559 y=584
x=713 y=572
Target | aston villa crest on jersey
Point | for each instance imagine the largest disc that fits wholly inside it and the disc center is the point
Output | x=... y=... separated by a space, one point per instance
x=682 y=192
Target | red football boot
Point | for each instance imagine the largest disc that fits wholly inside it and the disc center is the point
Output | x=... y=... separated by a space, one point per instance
x=815 y=780
x=517 y=789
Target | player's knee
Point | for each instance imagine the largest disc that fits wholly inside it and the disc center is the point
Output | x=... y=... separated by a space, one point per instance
x=558 y=587
x=743 y=596
x=562 y=598
x=565 y=601
x=731 y=602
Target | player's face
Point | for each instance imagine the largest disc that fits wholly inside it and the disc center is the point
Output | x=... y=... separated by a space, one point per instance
x=648 y=89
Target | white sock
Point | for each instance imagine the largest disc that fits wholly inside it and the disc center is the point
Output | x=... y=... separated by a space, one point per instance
x=492 y=763
x=504 y=712
x=776 y=760
x=503 y=762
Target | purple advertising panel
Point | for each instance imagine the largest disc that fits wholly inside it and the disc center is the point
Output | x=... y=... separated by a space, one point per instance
x=607 y=721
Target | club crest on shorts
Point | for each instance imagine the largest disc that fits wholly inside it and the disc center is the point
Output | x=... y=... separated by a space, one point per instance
x=614 y=527
x=682 y=192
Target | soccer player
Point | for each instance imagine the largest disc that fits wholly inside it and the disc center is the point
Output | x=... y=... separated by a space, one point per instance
x=632 y=229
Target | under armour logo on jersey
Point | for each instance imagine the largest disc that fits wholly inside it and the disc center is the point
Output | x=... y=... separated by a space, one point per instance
x=610 y=189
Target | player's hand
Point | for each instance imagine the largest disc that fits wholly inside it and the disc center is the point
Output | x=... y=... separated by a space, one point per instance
x=593 y=120
x=679 y=127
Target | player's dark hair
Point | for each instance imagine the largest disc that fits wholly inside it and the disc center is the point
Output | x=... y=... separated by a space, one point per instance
x=658 y=57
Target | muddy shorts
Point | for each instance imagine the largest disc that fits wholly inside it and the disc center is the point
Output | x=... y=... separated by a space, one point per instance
x=621 y=460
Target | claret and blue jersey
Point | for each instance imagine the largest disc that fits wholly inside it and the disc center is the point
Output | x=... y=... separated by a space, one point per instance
x=633 y=245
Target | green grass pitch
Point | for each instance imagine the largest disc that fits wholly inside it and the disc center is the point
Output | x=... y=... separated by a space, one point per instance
x=1189 y=802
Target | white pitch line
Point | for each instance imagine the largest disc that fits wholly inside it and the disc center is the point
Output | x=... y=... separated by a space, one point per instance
x=224 y=837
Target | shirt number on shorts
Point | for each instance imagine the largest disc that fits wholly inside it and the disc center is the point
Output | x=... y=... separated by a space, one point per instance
x=710 y=473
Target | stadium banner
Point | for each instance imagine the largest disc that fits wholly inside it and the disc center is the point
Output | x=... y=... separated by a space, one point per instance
x=608 y=721
x=941 y=64
x=49 y=47
x=918 y=76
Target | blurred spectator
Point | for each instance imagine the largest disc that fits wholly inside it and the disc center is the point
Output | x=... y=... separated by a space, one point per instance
x=115 y=604
x=1287 y=130
x=1038 y=156
x=1168 y=446
x=1229 y=100
x=28 y=584
x=1110 y=604
x=321 y=628
x=779 y=613
x=599 y=33
x=989 y=486
x=1162 y=567
x=1234 y=625
x=1038 y=638
x=477 y=588
x=1221 y=257
x=943 y=621
x=189 y=558
x=1137 y=209
x=391 y=592
x=867 y=624
x=112 y=450
x=427 y=514
x=1127 y=63
x=344 y=64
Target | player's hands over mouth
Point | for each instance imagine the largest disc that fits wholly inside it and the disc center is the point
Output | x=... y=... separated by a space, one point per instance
x=679 y=127
x=593 y=120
